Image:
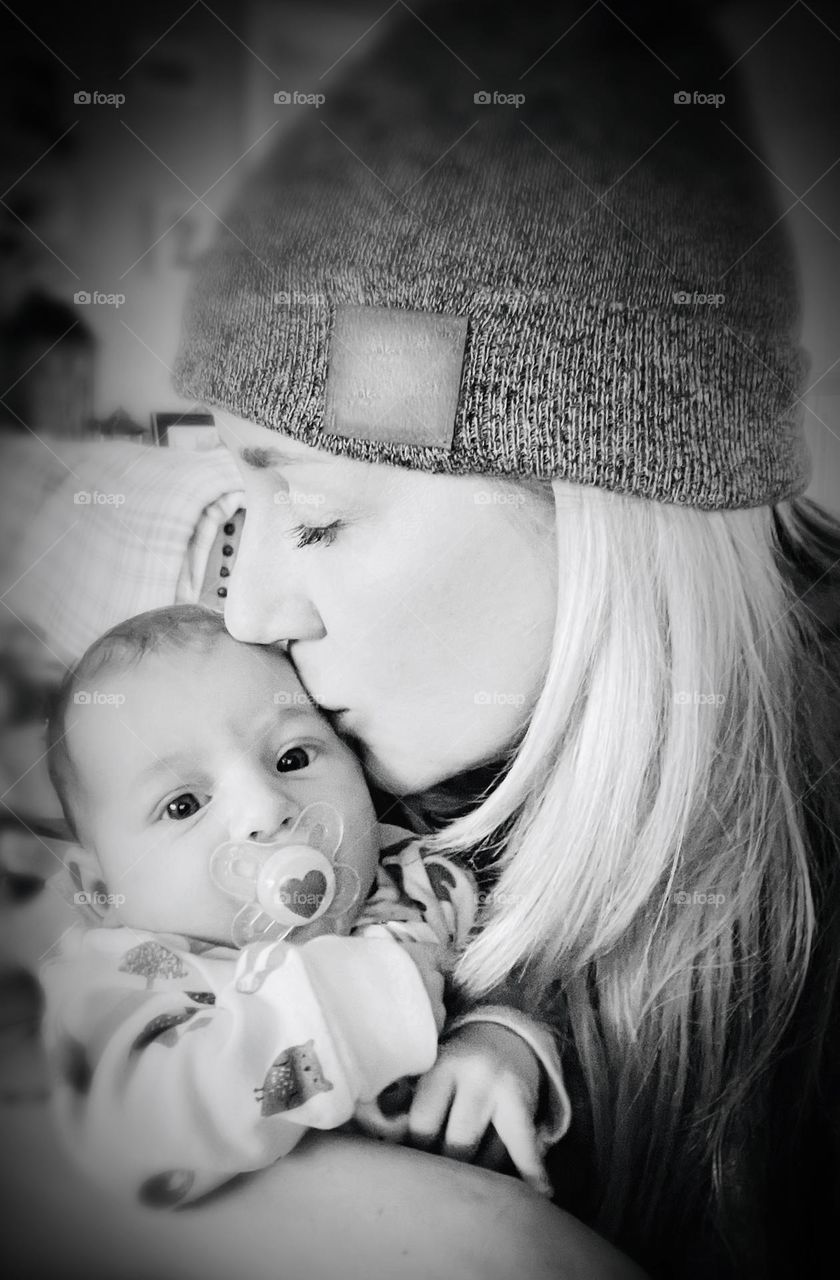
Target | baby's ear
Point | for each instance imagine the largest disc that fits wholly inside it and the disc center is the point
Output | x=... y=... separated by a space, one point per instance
x=89 y=892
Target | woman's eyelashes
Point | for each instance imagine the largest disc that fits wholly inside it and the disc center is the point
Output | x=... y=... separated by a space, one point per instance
x=310 y=535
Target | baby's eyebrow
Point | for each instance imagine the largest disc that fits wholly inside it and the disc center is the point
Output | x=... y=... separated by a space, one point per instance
x=305 y=714
x=165 y=764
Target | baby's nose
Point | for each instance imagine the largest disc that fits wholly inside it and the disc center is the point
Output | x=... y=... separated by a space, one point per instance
x=267 y=832
x=260 y=813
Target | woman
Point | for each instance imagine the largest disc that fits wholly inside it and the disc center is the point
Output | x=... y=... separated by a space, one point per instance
x=666 y=856
x=515 y=403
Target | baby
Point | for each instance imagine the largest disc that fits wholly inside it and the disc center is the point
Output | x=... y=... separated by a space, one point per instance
x=261 y=956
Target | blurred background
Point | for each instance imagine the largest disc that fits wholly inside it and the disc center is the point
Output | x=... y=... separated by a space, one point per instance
x=115 y=197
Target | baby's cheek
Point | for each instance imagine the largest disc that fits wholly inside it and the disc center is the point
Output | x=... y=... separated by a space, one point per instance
x=131 y=904
x=361 y=849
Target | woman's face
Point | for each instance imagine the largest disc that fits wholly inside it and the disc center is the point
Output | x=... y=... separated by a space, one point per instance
x=419 y=608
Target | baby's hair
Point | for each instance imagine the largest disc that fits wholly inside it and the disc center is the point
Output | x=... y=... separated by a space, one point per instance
x=174 y=627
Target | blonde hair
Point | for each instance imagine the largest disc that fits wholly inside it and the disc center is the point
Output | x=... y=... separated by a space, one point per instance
x=653 y=866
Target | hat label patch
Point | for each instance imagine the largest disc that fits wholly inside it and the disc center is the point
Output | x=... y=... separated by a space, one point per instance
x=394 y=376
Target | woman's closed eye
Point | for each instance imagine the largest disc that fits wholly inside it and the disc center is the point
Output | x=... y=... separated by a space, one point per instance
x=310 y=535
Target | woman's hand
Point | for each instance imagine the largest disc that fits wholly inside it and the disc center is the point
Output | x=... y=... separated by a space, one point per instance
x=486 y=1078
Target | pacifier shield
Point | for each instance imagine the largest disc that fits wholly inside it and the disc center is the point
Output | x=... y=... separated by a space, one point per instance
x=290 y=882
x=234 y=867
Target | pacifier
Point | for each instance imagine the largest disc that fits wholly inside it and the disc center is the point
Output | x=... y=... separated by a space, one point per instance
x=288 y=882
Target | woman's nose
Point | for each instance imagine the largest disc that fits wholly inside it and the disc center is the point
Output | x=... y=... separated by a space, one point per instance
x=266 y=603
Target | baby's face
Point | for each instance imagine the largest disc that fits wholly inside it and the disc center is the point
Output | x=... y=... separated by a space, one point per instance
x=190 y=749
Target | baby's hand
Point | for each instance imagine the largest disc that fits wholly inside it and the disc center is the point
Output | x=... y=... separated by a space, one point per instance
x=485 y=1075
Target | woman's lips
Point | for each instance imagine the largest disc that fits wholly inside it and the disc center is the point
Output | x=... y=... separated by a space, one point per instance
x=345 y=723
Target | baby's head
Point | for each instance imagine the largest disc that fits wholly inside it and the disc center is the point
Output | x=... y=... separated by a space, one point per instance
x=169 y=738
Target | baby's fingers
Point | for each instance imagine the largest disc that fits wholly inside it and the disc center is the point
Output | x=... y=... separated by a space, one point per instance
x=469 y=1120
x=372 y=1120
x=514 y=1125
x=427 y=1117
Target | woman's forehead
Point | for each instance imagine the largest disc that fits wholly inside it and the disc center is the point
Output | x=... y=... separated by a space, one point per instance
x=259 y=449
x=265 y=446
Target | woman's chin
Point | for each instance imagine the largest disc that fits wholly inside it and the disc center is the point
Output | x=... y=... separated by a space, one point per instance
x=395 y=766
x=401 y=776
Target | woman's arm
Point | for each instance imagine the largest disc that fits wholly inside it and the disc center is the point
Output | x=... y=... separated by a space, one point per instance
x=340 y=1208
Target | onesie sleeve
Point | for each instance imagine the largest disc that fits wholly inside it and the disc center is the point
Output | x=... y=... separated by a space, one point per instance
x=430 y=903
x=174 y=1072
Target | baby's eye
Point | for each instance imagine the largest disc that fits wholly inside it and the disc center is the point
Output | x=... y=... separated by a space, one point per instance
x=182 y=807
x=294 y=758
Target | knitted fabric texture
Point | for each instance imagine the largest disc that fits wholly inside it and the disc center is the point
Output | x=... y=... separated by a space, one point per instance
x=630 y=291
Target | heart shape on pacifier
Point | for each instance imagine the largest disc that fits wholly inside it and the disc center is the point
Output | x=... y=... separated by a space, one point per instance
x=304 y=897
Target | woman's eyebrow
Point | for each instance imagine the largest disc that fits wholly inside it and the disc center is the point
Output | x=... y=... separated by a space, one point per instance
x=260 y=458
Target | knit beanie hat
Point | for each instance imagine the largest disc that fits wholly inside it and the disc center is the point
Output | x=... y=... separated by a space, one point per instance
x=518 y=240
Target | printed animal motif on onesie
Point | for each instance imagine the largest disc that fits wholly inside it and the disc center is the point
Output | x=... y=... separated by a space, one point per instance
x=161 y=1030
x=293 y=1078
x=150 y=961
